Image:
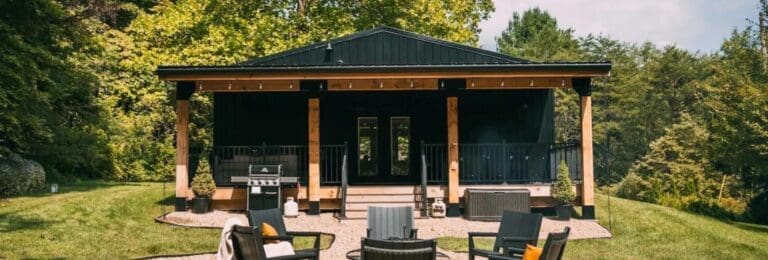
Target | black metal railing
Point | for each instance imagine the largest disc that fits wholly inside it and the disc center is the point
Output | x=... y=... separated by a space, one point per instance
x=331 y=163
x=493 y=163
x=571 y=154
x=228 y=161
x=344 y=185
x=436 y=162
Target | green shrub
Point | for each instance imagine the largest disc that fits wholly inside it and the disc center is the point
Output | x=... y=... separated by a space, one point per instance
x=710 y=207
x=203 y=185
x=635 y=188
x=562 y=189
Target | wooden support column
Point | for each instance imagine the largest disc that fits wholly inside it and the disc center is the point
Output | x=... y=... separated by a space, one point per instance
x=184 y=91
x=453 y=156
x=314 y=156
x=584 y=87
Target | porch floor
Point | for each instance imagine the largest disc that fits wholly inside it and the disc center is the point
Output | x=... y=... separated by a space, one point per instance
x=349 y=232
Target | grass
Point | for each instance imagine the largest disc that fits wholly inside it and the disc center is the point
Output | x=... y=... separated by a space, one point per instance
x=647 y=231
x=100 y=220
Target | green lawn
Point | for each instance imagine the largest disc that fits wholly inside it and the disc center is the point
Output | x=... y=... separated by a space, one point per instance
x=646 y=231
x=98 y=220
x=111 y=220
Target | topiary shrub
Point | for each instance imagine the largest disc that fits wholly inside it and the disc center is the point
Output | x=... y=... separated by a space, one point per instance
x=203 y=185
x=562 y=189
x=19 y=176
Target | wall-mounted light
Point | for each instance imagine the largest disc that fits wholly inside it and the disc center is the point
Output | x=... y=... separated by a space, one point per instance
x=321 y=84
x=411 y=83
x=562 y=83
x=381 y=84
x=260 y=87
x=290 y=85
x=201 y=86
x=229 y=86
x=502 y=83
x=350 y=84
x=531 y=83
x=473 y=83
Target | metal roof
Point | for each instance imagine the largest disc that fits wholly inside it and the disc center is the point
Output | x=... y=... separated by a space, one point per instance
x=385 y=49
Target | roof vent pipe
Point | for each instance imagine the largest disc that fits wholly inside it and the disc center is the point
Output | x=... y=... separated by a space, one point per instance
x=328 y=53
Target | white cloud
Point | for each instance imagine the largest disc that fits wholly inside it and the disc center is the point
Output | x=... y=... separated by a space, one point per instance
x=694 y=25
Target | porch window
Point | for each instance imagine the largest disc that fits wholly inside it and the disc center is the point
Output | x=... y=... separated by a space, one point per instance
x=367 y=144
x=400 y=144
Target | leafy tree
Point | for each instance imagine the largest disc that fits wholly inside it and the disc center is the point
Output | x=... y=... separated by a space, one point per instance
x=535 y=35
x=219 y=32
x=47 y=106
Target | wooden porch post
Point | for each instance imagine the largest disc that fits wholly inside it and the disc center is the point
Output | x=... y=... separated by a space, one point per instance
x=584 y=87
x=314 y=156
x=184 y=91
x=453 y=157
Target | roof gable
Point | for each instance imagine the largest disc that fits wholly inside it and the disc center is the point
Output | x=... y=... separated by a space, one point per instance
x=383 y=46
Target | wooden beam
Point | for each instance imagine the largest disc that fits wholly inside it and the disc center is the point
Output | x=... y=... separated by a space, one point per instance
x=248 y=86
x=182 y=148
x=453 y=150
x=518 y=83
x=184 y=91
x=378 y=75
x=314 y=150
x=588 y=180
x=381 y=84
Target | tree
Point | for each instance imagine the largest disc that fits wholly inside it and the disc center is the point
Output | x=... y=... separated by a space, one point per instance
x=535 y=35
x=221 y=32
x=677 y=164
x=48 y=110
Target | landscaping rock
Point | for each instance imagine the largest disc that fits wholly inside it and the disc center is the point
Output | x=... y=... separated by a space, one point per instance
x=20 y=176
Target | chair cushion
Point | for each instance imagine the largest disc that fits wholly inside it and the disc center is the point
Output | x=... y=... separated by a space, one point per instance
x=532 y=252
x=268 y=230
x=278 y=249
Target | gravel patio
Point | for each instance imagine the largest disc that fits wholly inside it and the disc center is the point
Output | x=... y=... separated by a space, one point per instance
x=349 y=232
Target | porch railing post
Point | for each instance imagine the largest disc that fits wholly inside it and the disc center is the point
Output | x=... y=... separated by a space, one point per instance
x=424 y=197
x=344 y=183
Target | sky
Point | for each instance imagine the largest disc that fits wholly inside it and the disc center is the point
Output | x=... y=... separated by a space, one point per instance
x=696 y=25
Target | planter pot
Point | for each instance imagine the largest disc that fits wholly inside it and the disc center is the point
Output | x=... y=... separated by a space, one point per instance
x=201 y=205
x=564 y=212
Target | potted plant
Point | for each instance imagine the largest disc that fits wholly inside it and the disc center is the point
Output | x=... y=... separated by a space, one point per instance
x=562 y=191
x=203 y=186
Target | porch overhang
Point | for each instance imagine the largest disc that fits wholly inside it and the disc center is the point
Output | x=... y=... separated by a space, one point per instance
x=429 y=65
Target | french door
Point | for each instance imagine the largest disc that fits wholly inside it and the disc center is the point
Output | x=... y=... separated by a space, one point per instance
x=384 y=149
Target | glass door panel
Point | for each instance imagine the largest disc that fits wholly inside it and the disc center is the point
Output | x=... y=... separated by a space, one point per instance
x=400 y=140
x=367 y=146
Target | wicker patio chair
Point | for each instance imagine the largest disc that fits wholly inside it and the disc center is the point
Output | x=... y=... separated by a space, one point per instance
x=553 y=248
x=515 y=231
x=391 y=222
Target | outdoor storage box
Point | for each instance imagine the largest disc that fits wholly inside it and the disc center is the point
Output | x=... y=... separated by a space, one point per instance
x=484 y=204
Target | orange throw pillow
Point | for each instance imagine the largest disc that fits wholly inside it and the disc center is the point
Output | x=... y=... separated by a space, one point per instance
x=532 y=252
x=268 y=231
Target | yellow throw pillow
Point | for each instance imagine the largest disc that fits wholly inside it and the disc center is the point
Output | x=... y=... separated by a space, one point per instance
x=268 y=231
x=532 y=252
